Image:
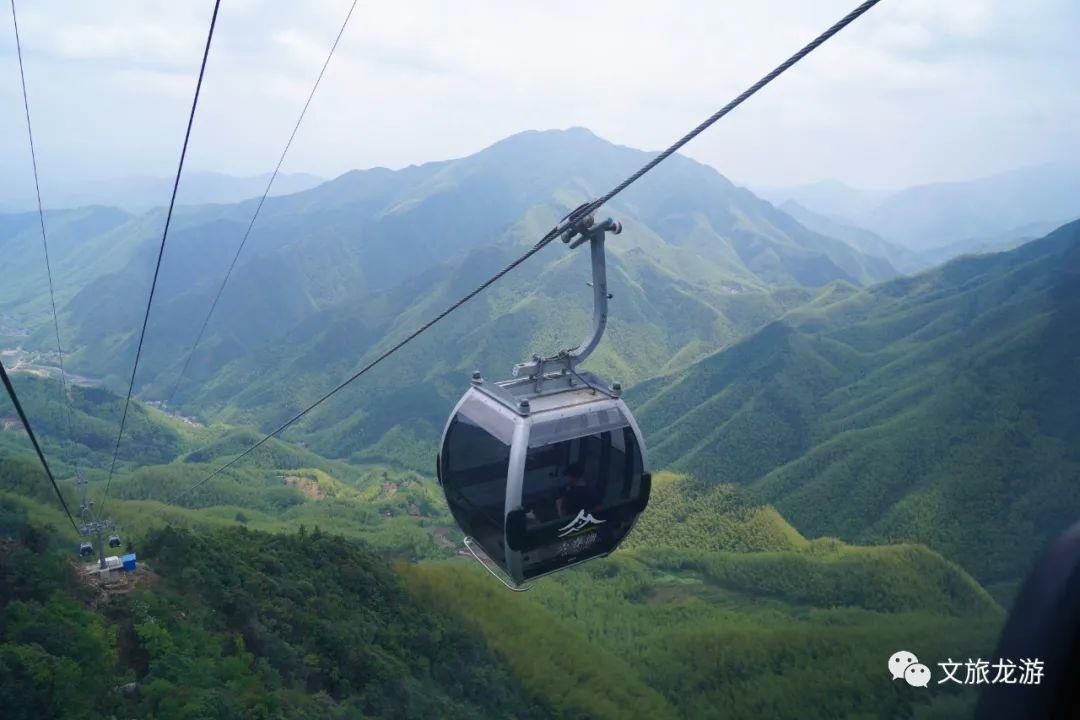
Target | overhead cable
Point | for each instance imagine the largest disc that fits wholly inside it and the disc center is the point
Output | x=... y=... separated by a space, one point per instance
x=258 y=209
x=161 y=252
x=33 y=439
x=41 y=221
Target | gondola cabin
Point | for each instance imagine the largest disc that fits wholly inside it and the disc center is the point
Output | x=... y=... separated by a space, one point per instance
x=542 y=481
x=548 y=469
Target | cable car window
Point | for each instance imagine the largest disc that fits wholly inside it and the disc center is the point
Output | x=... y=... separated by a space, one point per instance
x=575 y=425
x=581 y=497
x=485 y=413
x=474 y=471
x=595 y=472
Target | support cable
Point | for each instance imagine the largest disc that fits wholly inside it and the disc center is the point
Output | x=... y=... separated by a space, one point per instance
x=258 y=208
x=41 y=221
x=161 y=252
x=33 y=439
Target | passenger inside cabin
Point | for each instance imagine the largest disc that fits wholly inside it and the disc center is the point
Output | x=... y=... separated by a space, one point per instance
x=576 y=494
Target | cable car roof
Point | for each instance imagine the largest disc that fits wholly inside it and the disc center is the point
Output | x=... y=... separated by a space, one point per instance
x=552 y=391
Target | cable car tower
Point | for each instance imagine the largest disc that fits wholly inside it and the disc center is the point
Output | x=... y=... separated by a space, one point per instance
x=95 y=528
x=547 y=469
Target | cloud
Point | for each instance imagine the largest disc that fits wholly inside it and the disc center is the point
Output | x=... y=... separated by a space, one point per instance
x=139 y=43
x=915 y=91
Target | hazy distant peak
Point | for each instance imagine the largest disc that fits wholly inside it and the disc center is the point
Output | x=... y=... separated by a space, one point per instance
x=139 y=193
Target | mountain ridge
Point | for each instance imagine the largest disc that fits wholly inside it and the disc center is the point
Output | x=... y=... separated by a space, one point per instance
x=360 y=239
x=864 y=417
x=929 y=217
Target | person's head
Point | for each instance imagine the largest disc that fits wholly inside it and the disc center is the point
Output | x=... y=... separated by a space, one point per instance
x=575 y=473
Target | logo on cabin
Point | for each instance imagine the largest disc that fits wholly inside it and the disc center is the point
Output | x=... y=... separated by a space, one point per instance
x=580 y=522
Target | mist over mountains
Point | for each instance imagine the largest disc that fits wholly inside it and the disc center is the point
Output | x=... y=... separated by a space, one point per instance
x=141 y=193
x=954 y=217
x=318 y=259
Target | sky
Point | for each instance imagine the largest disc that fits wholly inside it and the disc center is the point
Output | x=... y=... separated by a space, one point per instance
x=916 y=91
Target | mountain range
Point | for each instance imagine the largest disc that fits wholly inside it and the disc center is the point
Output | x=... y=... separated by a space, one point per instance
x=962 y=216
x=331 y=272
x=140 y=193
x=846 y=460
x=779 y=352
x=890 y=412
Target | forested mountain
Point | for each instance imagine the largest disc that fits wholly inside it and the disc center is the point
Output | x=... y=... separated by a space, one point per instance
x=894 y=411
x=792 y=409
x=828 y=421
x=84 y=244
x=236 y=624
x=227 y=622
x=326 y=252
x=331 y=275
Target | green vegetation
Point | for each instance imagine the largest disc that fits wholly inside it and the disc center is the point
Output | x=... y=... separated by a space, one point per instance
x=277 y=488
x=228 y=621
x=341 y=271
x=54 y=652
x=685 y=513
x=934 y=409
x=231 y=624
x=921 y=437
x=149 y=437
x=671 y=633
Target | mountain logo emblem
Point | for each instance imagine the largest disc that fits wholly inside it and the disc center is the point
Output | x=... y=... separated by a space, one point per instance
x=580 y=522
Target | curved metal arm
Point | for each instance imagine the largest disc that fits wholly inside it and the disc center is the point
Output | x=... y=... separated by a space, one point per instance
x=600 y=298
x=569 y=358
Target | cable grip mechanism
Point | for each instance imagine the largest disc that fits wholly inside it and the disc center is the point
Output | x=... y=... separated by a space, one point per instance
x=583 y=230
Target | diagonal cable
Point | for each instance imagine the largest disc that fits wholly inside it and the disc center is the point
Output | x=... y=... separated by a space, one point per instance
x=41 y=220
x=161 y=252
x=258 y=208
x=33 y=439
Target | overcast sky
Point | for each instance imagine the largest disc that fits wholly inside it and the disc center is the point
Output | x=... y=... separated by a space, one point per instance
x=916 y=91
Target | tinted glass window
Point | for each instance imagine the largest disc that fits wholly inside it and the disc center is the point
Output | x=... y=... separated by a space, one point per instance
x=588 y=421
x=580 y=497
x=474 y=466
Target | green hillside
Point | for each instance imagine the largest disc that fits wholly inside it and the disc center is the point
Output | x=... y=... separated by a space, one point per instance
x=841 y=468
x=689 y=514
x=83 y=243
x=716 y=608
x=236 y=624
x=883 y=415
x=162 y=457
x=333 y=274
x=673 y=633
x=902 y=258
x=149 y=437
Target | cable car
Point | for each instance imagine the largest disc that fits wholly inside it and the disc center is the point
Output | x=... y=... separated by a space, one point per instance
x=548 y=469
x=114 y=541
x=86 y=549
